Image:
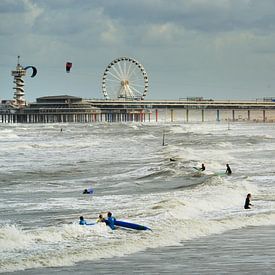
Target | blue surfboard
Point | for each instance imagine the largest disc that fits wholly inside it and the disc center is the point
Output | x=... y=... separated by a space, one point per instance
x=131 y=225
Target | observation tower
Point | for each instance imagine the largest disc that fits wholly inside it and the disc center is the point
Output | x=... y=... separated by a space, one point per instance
x=19 y=92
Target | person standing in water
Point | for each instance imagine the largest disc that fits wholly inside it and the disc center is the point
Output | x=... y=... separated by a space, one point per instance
x=247 y=203
x=100 y=219
x=228 y=170
x=111 y=221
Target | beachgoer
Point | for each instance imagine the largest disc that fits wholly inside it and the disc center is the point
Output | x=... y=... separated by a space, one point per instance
x=247 y=203
x=82 y=221
x=111 y=221
x=228 y=170
x=100 y=219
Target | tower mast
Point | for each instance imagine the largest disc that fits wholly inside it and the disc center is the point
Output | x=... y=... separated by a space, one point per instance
x=19 y=92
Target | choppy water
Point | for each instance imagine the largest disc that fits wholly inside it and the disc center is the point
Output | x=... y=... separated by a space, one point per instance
x=43 y=172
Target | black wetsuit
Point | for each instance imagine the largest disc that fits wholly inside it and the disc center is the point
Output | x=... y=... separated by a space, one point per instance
x=228 y=170
x=247 y=203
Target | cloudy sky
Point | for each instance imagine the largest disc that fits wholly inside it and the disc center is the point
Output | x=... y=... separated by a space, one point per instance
x=220 y=49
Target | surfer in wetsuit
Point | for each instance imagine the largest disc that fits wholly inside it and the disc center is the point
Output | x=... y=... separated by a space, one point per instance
x=88 y=191
x=100 y=219
x=228 y=170
x=202 y=167
x=247 y=203
x=110 y=221
x=82 y=221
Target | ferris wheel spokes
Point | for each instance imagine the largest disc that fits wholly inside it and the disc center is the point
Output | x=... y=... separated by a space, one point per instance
x=114 y=76
x=125 y=78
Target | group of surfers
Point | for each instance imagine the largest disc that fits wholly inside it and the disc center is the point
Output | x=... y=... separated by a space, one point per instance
x=247 y=204
x=110 y=220
x=228 y=170
x=202 y=168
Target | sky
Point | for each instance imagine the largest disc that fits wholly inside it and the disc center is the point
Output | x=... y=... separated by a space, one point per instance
x=218 y=49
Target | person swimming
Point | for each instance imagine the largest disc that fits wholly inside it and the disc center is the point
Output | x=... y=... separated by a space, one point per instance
x=228 y=170
x=82 y=221
x=88 y=191
x=247 y=203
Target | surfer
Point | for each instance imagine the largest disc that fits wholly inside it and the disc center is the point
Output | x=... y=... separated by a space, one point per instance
x=88 y=191
x=82 y=221
x=111 y=221
x=100 y=219
x=172 y=159
x=247 y=203
x=202 y=168
x=228 y=170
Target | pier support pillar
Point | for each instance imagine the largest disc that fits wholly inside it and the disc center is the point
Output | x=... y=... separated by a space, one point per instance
x=218 y=115
x=233 y=115
x=202 y=115
x=172 y=115
x=264 y=118
x=248 y=115
x=187 y=115
x=157 y=114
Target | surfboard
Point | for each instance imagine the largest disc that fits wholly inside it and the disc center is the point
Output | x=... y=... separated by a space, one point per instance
x=221 y=174
x=87 y=224
x=131 y=225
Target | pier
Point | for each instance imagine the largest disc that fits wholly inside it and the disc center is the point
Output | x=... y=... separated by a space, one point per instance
x=70 y=109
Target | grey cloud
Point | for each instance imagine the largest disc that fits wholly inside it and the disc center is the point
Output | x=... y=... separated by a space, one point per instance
x=206 y=16
x=11 y=6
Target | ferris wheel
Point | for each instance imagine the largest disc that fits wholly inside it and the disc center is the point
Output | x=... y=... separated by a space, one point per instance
x=125 y=78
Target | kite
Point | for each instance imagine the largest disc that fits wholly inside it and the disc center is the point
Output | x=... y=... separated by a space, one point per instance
x=68 y=66
x=34 y=70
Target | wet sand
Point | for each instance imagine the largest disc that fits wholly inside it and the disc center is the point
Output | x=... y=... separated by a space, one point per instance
x=244 y=251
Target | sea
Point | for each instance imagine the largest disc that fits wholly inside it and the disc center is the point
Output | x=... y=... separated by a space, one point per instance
x=143 y=173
